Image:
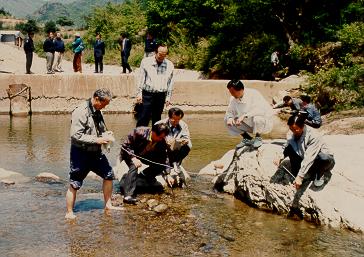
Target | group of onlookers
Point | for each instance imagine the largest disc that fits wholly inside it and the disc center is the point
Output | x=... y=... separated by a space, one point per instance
x=54 y=49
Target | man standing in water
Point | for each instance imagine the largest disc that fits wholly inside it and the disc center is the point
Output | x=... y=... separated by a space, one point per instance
x=87 y=127
x=248 y=112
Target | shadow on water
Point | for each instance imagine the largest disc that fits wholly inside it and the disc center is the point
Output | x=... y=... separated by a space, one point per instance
x=198 y=222
x=88 y=205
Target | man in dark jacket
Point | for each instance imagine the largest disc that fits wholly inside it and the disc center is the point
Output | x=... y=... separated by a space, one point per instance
x=49 y=49
x=148 y=146
x=125 y=48
x=29 y=49
x=58 y=54
x=99 y=51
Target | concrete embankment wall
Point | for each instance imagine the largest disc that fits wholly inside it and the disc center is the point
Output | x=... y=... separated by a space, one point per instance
x=62 y=92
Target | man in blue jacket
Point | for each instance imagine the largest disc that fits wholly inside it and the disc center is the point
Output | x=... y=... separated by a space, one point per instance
x=48 y=47
x=58 y=54
x=99 y=51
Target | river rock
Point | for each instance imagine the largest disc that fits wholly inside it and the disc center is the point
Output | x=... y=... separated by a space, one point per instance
x=47 y=177
x=7 y=182
x=12 y=176
x=160 y=208
x=251 y=176
x=152 y=203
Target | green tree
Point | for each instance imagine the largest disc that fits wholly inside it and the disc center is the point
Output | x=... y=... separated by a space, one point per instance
x=64 y=21
x=50 y=26
x=29 y=26
x=4 y=12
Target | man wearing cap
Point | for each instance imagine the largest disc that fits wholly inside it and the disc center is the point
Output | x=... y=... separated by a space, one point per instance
x=78 y=47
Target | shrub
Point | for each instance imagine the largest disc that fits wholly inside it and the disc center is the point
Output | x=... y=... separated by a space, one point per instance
x=338 y=89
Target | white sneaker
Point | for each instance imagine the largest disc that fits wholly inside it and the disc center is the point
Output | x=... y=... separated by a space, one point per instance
x=319 y=181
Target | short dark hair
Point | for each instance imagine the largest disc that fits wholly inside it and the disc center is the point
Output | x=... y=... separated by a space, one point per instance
x=175 y=111
x=123 y=34
x=286 y=98
x=236 y=84
x=98 y=34
x=160 y=128
x=296 y=120
x=306 y=98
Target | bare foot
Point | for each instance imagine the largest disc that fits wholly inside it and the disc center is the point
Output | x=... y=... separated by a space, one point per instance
x=70 y=216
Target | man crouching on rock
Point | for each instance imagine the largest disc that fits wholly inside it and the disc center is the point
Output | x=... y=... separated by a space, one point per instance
x=148 y=146
x=248 y=112
x=87 y=128
x=308 y=154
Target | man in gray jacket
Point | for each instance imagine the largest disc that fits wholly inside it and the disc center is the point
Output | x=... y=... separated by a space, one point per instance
x=87 y=130
x=308 y=154
x=178 y=139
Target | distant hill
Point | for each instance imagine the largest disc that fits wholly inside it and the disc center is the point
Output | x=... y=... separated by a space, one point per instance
x=23 y=8
x=75 y=10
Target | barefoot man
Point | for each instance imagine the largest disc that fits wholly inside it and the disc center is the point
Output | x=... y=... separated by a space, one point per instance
x=87 y=128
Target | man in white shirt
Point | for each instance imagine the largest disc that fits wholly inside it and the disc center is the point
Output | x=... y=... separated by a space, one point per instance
x=155 y=86
x=248 y=112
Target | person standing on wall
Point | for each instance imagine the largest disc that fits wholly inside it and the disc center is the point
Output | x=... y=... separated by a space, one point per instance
x=49 y=49
x=99 y=51
x=150 y=45
x=125 y=48
x=155 y=86
x=29 y=49
x=77 y=47
x=58 y=54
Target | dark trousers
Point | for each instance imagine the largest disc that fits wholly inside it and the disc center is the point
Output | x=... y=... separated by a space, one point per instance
x=99 y=62
x=128 y=183
x=153 y=104
x=323 y=163
x=29 y=60
x=179 y=155
x=125 y=63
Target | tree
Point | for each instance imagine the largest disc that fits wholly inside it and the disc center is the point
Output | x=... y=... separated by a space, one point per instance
x=30 y=26
x=4 y=12
x=50 y=26
x=64 y=21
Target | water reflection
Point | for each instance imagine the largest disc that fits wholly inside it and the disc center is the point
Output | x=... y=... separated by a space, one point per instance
x=199 y=222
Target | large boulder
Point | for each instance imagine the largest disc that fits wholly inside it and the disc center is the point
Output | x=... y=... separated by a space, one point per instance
x=252 y=176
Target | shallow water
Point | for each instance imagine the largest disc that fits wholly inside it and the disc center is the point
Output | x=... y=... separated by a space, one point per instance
x=199 y=222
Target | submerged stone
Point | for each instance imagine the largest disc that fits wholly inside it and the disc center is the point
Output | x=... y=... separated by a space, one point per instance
x=160 y=208
x=47 y=177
